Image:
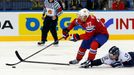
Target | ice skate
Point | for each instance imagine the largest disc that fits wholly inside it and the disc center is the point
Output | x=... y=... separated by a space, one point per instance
x=74 y=62
x=41 y=43
x=56 y=43
x=85 y=64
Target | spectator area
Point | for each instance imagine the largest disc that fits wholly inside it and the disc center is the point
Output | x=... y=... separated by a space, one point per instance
x=66 y=4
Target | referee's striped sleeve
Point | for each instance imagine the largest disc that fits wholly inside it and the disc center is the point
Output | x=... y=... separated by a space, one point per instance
x=58 y=8
x=44 y=8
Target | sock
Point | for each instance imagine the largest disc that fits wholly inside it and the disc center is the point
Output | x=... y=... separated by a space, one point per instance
x=80 y=53
x=93 y=50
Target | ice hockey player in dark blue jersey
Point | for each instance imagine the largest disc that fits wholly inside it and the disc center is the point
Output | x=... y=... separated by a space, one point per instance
x=114 y=58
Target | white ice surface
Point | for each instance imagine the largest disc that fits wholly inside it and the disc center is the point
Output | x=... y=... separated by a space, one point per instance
x=65 y=52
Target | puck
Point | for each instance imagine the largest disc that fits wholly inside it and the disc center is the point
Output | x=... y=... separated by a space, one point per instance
x=13 y=67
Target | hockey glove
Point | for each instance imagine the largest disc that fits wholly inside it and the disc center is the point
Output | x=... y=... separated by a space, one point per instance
x=65 y=33
x=117 y=64
x=75 y=37
x=43 y=16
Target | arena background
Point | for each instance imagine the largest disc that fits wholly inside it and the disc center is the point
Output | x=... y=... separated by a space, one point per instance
x=20 y=25
x=26 y=26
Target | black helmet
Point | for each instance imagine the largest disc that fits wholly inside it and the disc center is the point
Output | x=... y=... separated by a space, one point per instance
x=114 y=50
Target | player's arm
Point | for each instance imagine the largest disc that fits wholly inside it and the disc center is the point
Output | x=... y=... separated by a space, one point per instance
x=89 y=33
x=73 y=24
x=96 y=62
x=100 y=61
x=116 y=64
x=84 y=36
x=101 y=27
x=123 y=64
x=65 y=31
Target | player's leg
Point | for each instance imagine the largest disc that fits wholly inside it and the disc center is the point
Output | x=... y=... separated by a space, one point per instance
x=53 y=31
x=132 y=56
x=93 y=50
x=80 y=54
x=92 y=53
x=98 y=41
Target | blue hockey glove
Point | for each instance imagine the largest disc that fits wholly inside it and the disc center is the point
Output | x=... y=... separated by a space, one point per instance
x=117 y=64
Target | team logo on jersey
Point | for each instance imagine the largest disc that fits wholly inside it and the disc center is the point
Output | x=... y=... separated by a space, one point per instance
x=50 y=11
x=90 y=28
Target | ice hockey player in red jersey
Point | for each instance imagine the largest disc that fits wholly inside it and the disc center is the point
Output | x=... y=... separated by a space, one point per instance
x=95 y=35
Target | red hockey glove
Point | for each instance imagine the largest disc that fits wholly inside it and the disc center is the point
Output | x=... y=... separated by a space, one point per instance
x=75 y=37
x=65 y=33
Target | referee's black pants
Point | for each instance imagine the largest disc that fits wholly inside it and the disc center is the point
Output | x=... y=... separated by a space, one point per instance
x=49 y=24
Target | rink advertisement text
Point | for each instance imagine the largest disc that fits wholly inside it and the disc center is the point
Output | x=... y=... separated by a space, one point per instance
x=29 y=24
x=116 y=23
x=8 y=24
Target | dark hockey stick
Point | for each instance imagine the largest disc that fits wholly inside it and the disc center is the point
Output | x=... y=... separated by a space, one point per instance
x=38 y=62
x=53 y=63
x=21 y=60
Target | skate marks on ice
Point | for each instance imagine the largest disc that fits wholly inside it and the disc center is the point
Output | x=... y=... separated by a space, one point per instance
x=61 y=54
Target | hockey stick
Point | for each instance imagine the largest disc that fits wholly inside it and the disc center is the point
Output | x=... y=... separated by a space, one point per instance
x=21 y=60
x=53 y=63
x=38 y=62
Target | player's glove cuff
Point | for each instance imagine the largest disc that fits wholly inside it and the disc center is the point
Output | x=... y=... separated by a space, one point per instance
x=75 y=37
x=65 y=33
x=117 y=64
x=43 y=14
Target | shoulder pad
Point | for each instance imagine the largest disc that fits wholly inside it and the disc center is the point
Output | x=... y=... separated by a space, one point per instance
x=93 y=17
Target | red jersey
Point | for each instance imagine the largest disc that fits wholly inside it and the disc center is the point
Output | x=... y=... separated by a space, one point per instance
x=118 y=6
x=92 y=27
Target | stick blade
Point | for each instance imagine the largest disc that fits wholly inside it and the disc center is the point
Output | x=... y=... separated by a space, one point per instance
x=9 y=64
x=18 y=56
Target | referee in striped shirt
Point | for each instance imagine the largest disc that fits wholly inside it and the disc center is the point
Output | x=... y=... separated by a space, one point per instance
x=51 y=11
